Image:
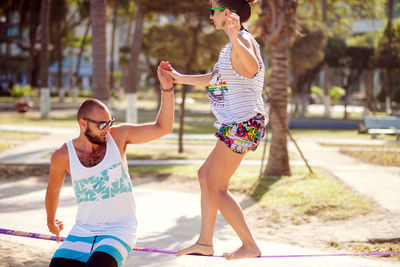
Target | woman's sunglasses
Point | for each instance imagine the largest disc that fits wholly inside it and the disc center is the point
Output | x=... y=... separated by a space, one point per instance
x=220 y=9
x=101 y=124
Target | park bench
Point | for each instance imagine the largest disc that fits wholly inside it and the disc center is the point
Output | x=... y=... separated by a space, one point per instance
x=383 y=125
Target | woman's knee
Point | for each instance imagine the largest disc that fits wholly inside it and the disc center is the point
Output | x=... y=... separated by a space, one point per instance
x=202 y=175
x=217 y=191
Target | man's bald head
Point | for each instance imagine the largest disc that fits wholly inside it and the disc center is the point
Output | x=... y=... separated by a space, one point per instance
x=88 y=106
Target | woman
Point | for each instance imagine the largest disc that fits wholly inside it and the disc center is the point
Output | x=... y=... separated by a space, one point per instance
x=235 y=95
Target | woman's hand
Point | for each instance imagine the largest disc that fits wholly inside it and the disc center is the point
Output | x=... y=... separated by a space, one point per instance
x=165 y=78
x=56 y=227
x=233 y=27
x=176 y=76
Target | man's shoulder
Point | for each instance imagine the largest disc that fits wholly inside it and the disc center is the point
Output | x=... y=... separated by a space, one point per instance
x=60 y=154
x=119 y=132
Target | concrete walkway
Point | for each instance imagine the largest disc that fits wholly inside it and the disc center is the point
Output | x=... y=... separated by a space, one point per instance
x=380 y=183
x=170 y=220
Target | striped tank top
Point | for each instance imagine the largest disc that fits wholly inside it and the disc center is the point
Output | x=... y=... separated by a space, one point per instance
x=233 y=97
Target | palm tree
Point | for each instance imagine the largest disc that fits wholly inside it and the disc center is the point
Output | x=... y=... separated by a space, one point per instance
x=388 y=88
x=278 y=26
x=133 y=66
x=99 y=50
x=114 y=26
x=44 y=59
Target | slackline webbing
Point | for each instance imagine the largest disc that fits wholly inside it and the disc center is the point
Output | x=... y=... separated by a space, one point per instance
x=53 y=238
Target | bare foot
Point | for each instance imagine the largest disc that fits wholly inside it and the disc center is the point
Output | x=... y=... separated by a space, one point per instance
x=243 y=252
x=197 y=248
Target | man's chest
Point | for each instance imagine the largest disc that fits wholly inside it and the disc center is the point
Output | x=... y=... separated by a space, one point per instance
x=93 y=158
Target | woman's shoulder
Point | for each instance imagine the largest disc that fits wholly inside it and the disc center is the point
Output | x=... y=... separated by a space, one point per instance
x=247 y=38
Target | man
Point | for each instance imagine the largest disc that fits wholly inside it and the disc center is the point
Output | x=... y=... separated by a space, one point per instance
x=105 y=228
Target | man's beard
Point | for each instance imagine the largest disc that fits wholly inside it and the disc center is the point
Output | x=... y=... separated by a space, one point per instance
x=97 y=140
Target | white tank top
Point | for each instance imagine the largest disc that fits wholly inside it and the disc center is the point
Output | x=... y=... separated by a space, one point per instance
x=104 y=195
x=233 y=97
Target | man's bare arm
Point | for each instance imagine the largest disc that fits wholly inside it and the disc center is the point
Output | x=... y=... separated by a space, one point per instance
x=136 y=134
x=58 y=169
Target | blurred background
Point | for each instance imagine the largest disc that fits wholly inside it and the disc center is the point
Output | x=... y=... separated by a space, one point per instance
x=340 y=60
x=348 y=52
x=331 y=157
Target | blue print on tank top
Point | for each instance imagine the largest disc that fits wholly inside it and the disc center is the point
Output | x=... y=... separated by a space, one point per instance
x=109 y=183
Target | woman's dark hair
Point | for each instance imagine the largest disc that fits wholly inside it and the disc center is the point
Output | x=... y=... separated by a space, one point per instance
x=242 y=7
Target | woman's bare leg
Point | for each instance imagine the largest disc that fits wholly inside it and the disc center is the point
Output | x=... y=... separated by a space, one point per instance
x=209 y=210
x=224 y=165
x=214 y=178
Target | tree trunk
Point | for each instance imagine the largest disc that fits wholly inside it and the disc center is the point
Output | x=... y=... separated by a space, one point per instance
x=156 y=84
x=304 y=102
x=326 y=97
x=125 y=70
x=279 y=26
x=133 y=67
x=114 y=26
x=75 y=77
x=188 y=69
x=278 y=160
x=346 y=102
x=44 y=59
x=388 y=105
x=99 y=50
x=388 y=91
x=59 y=51
x=31 y=59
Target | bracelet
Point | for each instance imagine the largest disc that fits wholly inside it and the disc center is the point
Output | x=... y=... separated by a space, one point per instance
x=168 y=90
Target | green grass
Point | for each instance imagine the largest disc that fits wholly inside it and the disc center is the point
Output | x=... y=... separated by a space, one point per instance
x=377 y=246
x=11 y=139
x=33 y=118
x=304 y=195
x=18 y=136
x=188 y=171
x=17 y=171
x=386 y=155
x=379 y=157
x=4 y=146
x=363 y=146
x=166 y=149
x=194 y=127
x=162 y=151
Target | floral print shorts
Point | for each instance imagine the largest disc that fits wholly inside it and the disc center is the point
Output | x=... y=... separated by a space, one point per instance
x=243 y=137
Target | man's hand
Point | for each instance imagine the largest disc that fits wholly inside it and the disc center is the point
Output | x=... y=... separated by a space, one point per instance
x=55 y=227
x=163 y=75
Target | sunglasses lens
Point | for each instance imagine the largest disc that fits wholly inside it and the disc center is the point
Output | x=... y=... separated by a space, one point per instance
x=111 y=123
x=102 y=125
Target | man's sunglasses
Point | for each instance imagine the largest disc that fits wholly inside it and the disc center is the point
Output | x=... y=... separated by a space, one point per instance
x=101 y=124
x=221 y=9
